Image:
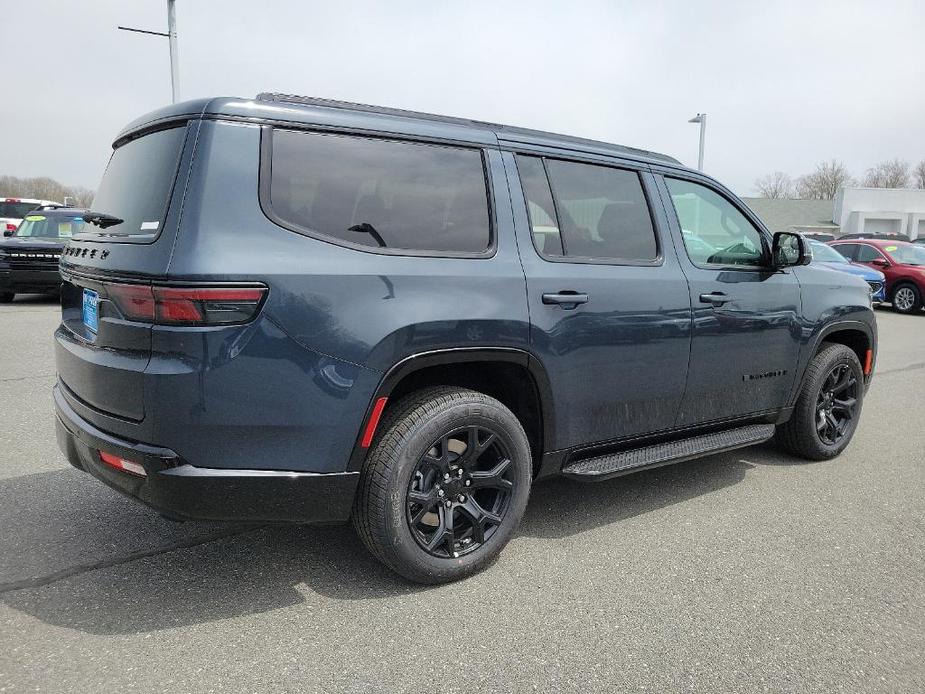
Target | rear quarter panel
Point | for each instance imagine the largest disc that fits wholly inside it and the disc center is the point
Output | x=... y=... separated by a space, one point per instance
x=291 y=389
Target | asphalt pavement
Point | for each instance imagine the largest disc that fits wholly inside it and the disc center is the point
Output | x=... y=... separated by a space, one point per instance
x=744 y=572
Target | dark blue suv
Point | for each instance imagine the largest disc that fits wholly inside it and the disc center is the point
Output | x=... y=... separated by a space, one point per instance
x=292 y=309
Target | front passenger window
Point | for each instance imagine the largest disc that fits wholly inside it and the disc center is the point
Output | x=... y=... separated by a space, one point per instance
x=868 y=254
x=714 y=231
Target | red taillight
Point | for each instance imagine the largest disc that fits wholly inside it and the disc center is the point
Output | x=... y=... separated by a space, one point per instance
x=11 y=227
x=119 y=463
x=135 y=301
x=12 y=200
x=187 y=305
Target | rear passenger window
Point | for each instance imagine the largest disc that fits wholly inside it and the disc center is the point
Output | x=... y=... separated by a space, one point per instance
x=867 y=254
x=380 y=193
x=848 y=250
x=599 y=212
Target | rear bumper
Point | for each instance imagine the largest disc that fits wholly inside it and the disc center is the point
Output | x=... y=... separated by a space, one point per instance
x=186 y=492
x=29 y=281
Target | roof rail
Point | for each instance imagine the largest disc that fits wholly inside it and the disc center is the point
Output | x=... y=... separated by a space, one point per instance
x=505 y=129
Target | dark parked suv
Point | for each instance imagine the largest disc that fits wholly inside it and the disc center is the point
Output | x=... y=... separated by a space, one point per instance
x=290 y=309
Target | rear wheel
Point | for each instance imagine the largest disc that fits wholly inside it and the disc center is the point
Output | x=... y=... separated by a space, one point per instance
x=445 y=485
x=6 y=297
x=907 y=299
x=828 y=408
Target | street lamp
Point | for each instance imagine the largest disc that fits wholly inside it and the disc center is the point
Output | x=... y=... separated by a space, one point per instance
x=702 y=119
x=172 y=41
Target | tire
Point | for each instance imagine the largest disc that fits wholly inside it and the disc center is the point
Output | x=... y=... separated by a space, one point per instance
x=801 y=435
x=907 y=298
x=417 y=441
x=6 y=297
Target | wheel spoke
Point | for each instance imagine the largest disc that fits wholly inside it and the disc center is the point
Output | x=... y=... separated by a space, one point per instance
x=845 y=405
x=494 y=478
x=845 y=380
x=444 y=535
x=479 y=518
x=425 y=500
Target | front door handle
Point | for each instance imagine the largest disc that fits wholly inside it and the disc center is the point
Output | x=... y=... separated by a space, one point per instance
x=715 y=298
x=567 y=299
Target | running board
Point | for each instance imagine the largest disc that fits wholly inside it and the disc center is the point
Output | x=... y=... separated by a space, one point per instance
x=613 y=464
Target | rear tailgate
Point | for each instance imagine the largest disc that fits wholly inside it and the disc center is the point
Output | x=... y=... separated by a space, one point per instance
x=101 y=354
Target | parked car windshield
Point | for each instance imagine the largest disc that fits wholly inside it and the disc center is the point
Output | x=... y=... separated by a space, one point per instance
x=906 y=254
x=56 y=227
x=826 y=254
x=16 y=210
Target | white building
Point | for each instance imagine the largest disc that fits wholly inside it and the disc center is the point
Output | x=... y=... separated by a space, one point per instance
x=880 y=211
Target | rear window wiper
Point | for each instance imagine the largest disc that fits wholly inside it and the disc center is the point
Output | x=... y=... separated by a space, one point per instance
x=101 y=219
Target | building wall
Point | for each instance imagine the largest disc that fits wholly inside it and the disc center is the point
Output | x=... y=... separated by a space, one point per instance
x=880 y=210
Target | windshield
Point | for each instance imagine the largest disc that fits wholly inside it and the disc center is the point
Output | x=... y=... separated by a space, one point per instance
x=137 y=184
x=38 y=226
x=826 y=254
x=906 y=254
x=16 y=210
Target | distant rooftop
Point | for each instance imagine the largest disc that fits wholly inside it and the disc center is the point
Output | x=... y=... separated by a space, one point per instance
x=784 y=214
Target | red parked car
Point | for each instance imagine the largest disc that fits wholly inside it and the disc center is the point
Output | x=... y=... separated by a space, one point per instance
x=902 y=262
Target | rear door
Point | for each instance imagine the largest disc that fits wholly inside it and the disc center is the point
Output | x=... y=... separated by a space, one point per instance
x=747 y=331
x=609 y=306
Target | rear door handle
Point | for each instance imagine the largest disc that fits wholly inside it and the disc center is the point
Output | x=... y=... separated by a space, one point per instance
x=715 y=298
x=567 y=299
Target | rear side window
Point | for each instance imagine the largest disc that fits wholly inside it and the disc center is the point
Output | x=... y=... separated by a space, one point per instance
x=599 y=212
x=867 y=254
x=137 y=184
x=848 y=250
x=381 y=194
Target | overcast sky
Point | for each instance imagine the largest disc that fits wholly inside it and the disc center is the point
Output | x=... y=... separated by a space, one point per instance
x=785 y=84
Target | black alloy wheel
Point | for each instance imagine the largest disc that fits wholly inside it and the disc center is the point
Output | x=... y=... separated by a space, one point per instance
x=836 y=404
x=460 y=492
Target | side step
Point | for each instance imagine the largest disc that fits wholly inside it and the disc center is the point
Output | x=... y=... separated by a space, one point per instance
x=613 y=464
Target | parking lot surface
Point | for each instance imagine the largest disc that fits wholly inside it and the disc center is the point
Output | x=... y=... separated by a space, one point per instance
x=743 y=572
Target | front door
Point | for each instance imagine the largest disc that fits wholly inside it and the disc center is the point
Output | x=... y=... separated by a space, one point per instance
x=609 y=306
x=747 y=331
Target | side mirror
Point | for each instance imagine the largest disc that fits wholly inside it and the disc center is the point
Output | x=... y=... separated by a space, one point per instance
x=880 y=262
x=8 y=233
x=790 y=249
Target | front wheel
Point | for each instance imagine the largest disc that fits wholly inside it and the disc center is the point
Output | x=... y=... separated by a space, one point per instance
x=828 y=408
x=907 y=299
x=445 y=485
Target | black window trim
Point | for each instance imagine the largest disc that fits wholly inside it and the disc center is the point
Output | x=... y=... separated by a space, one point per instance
x=659 y=258
x=265 y=177
x=766 y=239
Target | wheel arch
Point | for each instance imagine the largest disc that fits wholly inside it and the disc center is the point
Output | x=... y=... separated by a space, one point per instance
x=856 y=335
x=512 y=376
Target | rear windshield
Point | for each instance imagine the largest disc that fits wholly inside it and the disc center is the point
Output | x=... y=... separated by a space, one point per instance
x=137 y=184
x=55 y=227
x=16 y=210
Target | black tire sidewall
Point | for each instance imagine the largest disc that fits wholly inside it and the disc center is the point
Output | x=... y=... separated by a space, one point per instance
x=407 y=551
x=829 y=359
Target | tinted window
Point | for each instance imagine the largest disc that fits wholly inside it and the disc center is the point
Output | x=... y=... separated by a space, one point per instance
x=137 y=183
x=16 y=210
x=540 y=206
x=714 y=231
x=847 y=250
x=602 y=212
x=381 y=194
x=865 y=253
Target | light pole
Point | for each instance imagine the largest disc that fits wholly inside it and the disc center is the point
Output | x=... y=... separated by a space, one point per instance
x=702 y=119
x=172 y=41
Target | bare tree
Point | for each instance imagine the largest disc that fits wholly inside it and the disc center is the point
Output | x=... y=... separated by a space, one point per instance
x=888 y=174
x=775 y=185
x=918 y=174
x=44 y=188
x=823 y=183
